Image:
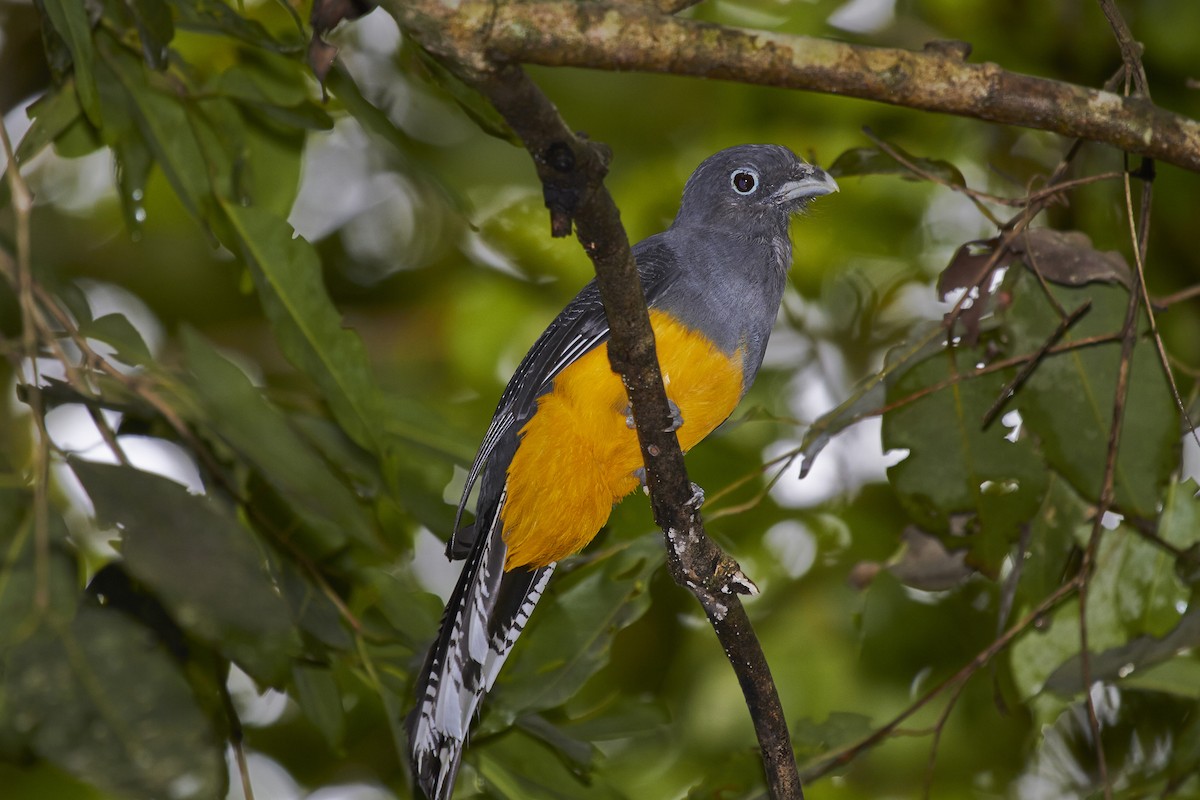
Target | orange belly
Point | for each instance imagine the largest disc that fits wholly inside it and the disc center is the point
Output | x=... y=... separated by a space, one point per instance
x=577 y=455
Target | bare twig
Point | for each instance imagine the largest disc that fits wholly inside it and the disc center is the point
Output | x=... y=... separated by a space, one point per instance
x=1010 y=390
x=1182 y=296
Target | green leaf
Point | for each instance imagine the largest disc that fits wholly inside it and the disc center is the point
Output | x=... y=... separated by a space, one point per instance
x=1068 y=400
x=1145 y=737
x=412 y=615
x=236 y=412
x=1135 y=582
x=163 y=124
x=1133 y=619
x=314 y=612
x=1043 y=649
x=70 y=20
x=27 y=572
x=275 y=86
x=101 y=699
x=155 y=30
x=52 y=114
x=870 y=395
x=873 y=161
x=1179 y=524
x=215 y=16
x=321 y=700
x=954 y=465
x=1052 y=542
x=116 y=330
x=518 y=766
x=572 y=630
x=840 y=728
x=1179 y=676
x=287 y=275
x=204 y=567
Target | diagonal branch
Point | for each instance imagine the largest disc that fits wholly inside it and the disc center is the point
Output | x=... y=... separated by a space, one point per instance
x=572 y=170
x=938 y=79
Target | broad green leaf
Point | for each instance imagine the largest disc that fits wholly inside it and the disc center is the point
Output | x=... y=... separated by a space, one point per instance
x=472 y=103
x=1179 y=675
x=116 y=330
x=1144 y=736
x=870 y=396
x=287 y=275
x=321 y=700
x=1133 y=620
x=134 y=162
x=274 y=156
x=571 y=632
x=314 y=613
x=1135 y=582
x=203 y=565
x=619 y=717
x=276 y=87
x=235 y=411
x=1052 y=543
x=70 y=20
x=27 y=572
x=1179 y=524
x=1128 y=659
x=1068 y=399
x=517 y=766
x=163 y=124
x=955 y=467
x=1041 y=650
x=52 y=114
x=873 y=161
x=838 y=729
x=155 y=30
x=575 y=753
x=736 y=775
x=412 y=615
x=215 y=16
x=100 y=698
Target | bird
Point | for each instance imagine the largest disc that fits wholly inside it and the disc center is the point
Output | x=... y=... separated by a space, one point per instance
x=561 y=449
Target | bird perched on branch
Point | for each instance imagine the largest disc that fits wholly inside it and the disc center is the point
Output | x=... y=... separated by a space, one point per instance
x=561 y=449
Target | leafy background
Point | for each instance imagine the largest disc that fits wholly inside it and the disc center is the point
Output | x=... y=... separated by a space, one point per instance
x=303 y=311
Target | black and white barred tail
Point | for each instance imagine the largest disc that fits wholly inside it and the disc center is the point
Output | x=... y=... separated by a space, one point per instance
x=486 y=613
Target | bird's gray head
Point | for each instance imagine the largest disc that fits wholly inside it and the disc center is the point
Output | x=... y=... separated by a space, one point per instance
x=751 y=189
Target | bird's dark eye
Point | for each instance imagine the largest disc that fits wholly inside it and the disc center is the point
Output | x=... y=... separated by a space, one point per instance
x=744 y=181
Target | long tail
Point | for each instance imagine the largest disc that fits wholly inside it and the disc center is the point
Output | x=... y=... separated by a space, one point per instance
x=486 y=613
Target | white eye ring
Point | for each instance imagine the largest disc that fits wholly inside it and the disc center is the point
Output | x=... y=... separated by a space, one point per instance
x=738 y=180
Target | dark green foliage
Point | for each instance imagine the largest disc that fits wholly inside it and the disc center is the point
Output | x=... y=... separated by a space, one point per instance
x=319 y=374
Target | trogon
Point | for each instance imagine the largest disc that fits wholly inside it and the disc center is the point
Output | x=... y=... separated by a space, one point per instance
x=561 y=450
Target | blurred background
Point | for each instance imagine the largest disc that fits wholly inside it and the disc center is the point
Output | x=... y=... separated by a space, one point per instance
x=434 y=245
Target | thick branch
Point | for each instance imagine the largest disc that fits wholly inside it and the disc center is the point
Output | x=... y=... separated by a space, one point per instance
x=597 y=36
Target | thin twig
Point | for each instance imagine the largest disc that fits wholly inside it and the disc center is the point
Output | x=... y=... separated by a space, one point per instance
x=22 y=203
x=973 y=195
x=938 y=727
x=848 y=754
x=1017 y=382
x=1183 y=295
